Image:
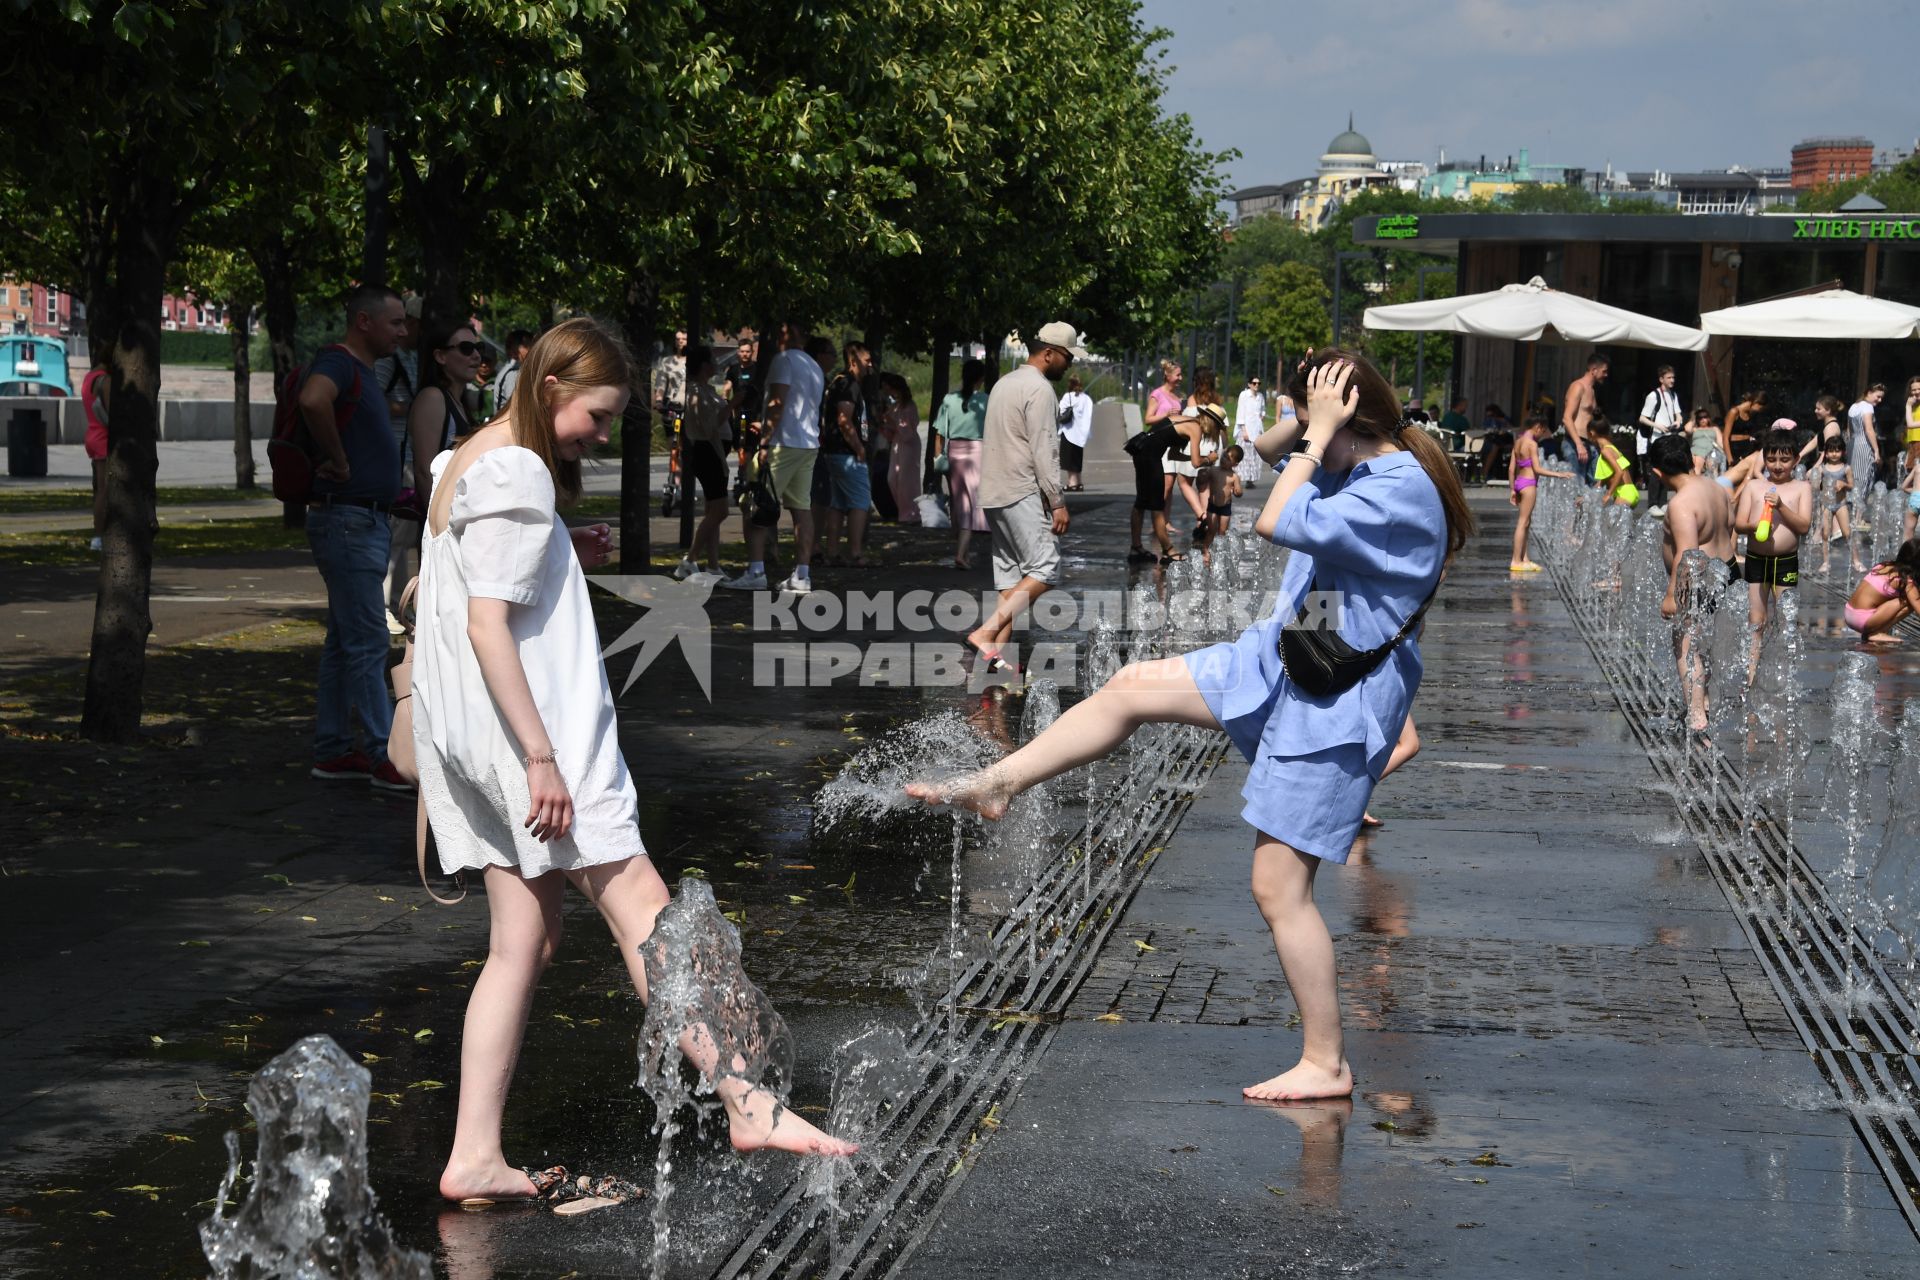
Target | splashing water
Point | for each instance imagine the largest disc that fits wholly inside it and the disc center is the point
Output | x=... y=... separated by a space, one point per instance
x=311 y=1214
x=702 y=1011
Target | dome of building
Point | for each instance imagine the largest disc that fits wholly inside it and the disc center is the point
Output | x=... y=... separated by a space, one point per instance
x=1350 y=143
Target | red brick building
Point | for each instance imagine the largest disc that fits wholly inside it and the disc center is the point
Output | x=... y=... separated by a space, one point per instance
x=49 y=313
x=1819 y=161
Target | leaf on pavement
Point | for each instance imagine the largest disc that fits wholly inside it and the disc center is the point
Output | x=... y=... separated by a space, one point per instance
x=279 y=880
x=423 y=1035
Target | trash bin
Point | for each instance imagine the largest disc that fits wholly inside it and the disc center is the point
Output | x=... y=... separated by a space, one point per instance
x=27 y=444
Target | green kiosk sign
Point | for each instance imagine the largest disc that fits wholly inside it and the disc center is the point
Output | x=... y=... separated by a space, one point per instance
x=1856 y=229
x=1397 y=226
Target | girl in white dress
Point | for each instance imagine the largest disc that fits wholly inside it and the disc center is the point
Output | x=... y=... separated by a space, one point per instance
x=520 y=766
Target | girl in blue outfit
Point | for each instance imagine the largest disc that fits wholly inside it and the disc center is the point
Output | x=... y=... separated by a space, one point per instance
x=1372 y=512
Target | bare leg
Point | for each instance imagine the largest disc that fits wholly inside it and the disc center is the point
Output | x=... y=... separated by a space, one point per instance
x=1524 y=528
x=802 y=536
x=1881 y=620
x=962 y=537
x=828 y=521
x=707 y=538
x=1162 y=534
x=991 y=635
x=1283 y=890
x=525 y=932
x=1405 y=749
x=1157 y=692
x=1133 y=528
x=856 y=535
x=630 y=896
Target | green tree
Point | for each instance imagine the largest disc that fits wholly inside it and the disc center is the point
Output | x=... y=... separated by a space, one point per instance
x=158 y=106
x=1287 y=306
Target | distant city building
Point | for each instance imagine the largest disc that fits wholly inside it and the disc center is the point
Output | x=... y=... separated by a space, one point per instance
x=48 y=312
x=1347 y=167
x=1819 y=161
x=1466 y=180
x=1278 y=200
x=1893 y=157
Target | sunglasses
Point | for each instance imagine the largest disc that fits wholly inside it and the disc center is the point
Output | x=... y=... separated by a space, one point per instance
x=464 y=348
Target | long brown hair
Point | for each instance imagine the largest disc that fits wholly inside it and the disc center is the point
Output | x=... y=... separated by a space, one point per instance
x=1377 y=417
x=579 y=355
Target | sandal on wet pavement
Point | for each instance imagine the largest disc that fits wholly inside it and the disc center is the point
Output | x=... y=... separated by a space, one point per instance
x=546 y=1185
x=589 y=1195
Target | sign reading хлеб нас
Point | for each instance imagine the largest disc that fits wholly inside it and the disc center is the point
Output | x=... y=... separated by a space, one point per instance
x=1856 y=229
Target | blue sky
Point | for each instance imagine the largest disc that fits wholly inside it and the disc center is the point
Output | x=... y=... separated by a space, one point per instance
x=1677 y=84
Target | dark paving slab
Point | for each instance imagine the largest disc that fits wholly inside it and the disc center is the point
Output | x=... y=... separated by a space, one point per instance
x=1536 y=963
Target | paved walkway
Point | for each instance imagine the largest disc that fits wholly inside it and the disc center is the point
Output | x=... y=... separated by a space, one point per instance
x=1540 y=975
x=1569 y=1062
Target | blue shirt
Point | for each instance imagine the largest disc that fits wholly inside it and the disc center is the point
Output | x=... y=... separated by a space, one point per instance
x=373 y=451
x=1377 y=537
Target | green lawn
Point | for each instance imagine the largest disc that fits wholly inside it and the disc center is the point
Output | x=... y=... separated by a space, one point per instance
x=33 y=501
x=66 y=549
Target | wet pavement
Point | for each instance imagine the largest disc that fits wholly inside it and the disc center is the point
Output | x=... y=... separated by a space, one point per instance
x=1568 y=1060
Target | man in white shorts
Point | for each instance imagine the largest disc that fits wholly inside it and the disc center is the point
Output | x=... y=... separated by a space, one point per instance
x=1020 y=483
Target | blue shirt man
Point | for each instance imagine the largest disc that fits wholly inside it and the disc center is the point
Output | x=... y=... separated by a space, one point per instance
x=358 y=476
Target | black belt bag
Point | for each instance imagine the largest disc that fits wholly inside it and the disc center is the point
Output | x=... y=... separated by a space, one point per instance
x=1318 y=662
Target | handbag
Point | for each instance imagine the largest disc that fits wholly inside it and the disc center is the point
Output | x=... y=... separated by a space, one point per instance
x=400 y=748
x=1318 y=662
x=758 y=502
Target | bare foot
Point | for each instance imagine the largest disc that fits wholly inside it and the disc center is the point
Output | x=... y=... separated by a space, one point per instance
x=981 y=641
x=1306 y=1080
x=758 y=1121
x=485 y=1182
x=977 y=792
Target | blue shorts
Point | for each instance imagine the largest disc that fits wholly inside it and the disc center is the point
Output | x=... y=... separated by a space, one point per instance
x=841 y=482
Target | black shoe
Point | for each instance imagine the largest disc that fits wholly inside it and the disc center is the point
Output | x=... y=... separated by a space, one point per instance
x=1137 y=556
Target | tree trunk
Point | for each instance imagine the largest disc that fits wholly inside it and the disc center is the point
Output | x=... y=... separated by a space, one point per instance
x=116 y=668
x=373 y=246
x=280 y=309
x=239 y=317
x=281 y=313
x=639 y=313
x=942 y=381
x=439 y=204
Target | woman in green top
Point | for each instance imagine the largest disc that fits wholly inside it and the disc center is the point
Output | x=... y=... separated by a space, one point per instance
x=958 y=429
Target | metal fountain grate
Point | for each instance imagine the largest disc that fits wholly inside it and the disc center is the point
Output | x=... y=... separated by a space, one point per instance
x=1804 y=944
x=1008 y=1006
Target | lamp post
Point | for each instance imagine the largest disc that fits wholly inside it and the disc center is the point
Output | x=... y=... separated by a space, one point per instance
x=1420 y=344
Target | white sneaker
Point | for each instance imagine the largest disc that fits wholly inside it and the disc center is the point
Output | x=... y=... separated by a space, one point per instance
x=684 y=570
x=796 y=586
x=713 y=576
x=746 y=582
x=1657 y=511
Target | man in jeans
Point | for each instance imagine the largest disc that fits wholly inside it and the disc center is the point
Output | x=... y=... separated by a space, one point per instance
x=1020 y=484
x=353 y=491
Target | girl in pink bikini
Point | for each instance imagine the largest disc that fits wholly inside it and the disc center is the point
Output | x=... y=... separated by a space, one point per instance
x=1889 y=592
x=1526 y=470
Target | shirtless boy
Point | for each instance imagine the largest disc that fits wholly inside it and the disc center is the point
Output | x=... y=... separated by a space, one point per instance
x=1775 y=511
x=1699 y=518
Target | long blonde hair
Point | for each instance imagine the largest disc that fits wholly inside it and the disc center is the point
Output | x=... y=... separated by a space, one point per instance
x=579 y=355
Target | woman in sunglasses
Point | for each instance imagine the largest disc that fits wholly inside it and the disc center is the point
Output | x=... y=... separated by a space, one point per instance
x=1371 y=510
x=439 y=417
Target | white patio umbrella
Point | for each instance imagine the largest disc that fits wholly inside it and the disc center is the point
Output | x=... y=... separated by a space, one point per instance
x=1532 y=312
x=1830 y=313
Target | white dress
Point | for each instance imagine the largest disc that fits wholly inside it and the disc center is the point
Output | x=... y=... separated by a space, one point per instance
x=503 y=541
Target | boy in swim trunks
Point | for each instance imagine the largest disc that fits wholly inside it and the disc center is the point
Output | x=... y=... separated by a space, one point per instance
x=1775 y=511
x=1220 y=481
x=1699 y=517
